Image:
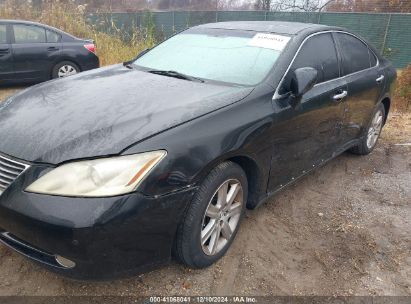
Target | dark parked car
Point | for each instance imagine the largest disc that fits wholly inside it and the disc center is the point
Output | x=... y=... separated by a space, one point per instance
x=109 y=172
x=33 y=52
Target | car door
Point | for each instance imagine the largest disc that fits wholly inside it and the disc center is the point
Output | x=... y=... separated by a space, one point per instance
x=365 y=84
x=6 y=56
x=34 y=56
x=308 y=134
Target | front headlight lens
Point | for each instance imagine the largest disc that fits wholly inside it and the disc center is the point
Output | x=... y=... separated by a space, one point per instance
x=98 y=178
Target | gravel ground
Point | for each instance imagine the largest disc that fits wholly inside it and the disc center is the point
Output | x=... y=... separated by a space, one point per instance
x=7 y=92
x=342 y=230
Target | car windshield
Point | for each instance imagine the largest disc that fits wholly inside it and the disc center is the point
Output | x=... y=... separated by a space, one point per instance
x=231 y=56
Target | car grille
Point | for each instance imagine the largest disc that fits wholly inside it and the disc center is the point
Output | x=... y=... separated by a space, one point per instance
x=9 y=171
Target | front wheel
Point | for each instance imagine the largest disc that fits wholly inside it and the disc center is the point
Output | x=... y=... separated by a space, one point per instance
x=373 y=132
x=213 y=217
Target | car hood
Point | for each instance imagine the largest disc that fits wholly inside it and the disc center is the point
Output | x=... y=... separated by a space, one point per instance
x=102 y=112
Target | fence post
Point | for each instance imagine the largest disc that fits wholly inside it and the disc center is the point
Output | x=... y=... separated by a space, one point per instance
x=216 y=16
x=265 y=15
x=174 y=22
x=319 y=17
x=386 y=34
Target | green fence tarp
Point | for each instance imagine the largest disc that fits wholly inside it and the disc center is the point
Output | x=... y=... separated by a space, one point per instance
x=389 y=33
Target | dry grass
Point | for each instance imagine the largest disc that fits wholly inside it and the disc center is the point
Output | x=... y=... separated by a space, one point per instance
x=402 y=93
x=67 y=16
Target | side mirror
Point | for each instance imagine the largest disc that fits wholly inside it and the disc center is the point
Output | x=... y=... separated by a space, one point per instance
x=302 y=80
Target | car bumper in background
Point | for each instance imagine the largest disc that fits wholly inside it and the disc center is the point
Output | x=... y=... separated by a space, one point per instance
x=90 y=63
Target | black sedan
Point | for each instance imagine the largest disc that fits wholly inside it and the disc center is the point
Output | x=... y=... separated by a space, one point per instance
x=33 y=52
x=114 y=171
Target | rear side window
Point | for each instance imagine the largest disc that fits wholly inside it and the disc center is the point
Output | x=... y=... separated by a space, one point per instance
x=52 y=37
x=3 y=33
x=29 y=34
x=318 y=52
x=354 y=52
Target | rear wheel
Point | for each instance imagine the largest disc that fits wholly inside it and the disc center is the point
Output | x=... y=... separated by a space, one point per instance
x=213 y=217
x=64 y=69
x=373 y=132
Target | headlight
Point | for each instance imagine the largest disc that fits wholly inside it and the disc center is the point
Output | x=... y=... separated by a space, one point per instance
x=98 y=178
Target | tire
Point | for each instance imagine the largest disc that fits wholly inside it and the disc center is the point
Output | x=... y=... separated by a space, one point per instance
x=374 y=127
x=189 y=248
x=67 y=67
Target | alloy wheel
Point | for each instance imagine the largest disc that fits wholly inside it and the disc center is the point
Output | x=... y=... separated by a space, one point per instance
x=375 y=130
x=66 y=70
x=222 y=216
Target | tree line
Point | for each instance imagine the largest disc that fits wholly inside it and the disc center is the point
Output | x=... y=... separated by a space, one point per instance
x=400 y=6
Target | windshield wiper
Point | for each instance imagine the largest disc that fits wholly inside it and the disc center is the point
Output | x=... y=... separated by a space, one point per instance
x=175 y=75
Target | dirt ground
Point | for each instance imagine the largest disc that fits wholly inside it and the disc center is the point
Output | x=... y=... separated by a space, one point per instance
x=343 y=230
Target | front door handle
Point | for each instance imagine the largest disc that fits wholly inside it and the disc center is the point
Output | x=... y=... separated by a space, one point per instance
x=52 y=48
x=380 y=79
x=340 y=96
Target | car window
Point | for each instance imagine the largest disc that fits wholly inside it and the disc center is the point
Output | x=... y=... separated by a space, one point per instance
x=52 y=37
x=355 y=55
x=207 y=54
x=373 y=59
x=29 y=34
x=324 y=59
x=3 y=33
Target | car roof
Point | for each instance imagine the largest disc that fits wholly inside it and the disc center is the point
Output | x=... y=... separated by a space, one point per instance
x=35 y=23
x=280 y=27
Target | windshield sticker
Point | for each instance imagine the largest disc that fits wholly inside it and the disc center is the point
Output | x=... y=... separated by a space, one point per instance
x=269 y=41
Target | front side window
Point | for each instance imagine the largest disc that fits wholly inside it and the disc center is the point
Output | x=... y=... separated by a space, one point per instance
x=355 y=54
x=3 y=33
x=29 y=34
x=317 y=52
x=231 y=56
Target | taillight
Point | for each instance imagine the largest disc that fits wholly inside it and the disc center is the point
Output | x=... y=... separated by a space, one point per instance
x=91 y=47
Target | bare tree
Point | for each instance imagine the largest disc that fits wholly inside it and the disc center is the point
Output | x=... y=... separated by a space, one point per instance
x=306 y=5
x=264 y=5
x=292 y=5
x=393 y=6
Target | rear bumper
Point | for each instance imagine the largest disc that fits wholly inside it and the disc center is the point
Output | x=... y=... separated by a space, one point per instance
x=90 y=63
x=105 y=238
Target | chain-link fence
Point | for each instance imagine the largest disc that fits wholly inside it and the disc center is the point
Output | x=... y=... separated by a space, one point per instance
x=390 y=33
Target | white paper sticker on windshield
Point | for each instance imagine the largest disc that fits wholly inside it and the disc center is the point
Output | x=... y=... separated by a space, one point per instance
x=269 y=41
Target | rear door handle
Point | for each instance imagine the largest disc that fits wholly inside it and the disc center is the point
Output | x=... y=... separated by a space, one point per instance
x=4 y=52
x=380 y=79
x=340 y=96
x=52 y=48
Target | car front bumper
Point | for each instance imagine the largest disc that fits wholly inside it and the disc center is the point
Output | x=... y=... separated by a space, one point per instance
x=104 y=237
